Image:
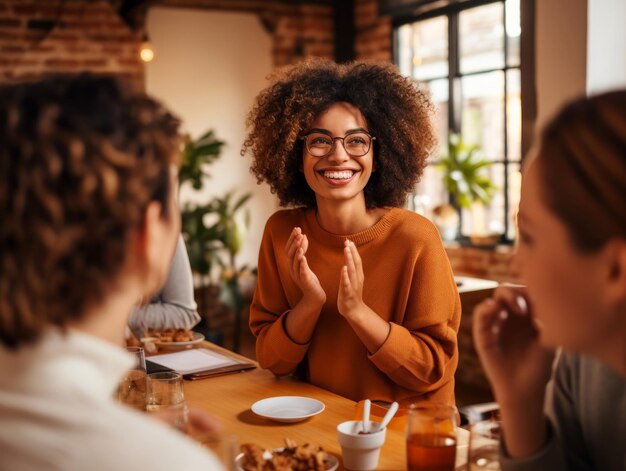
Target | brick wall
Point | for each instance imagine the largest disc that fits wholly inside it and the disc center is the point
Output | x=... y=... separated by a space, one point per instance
x=305 y=31
x=493 y=264
x=55 y=36
x=373 y=33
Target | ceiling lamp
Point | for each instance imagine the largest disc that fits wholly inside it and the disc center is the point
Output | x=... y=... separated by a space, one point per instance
x=146 y=51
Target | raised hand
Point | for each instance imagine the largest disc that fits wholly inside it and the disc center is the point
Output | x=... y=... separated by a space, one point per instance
x=296 y=248
x=371 y=329
x=350 y=296
x=507 y=342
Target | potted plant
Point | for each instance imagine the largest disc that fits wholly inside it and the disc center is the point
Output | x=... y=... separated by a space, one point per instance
x=464 y=179
x=213 y=236
x=200 y=239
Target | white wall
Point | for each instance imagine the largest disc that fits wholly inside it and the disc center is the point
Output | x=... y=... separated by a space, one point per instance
x=560 y=54
x=606 y=45
x=208 y=67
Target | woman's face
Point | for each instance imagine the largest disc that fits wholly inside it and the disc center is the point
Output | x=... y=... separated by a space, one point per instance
x=338 y=176
x=565 y=285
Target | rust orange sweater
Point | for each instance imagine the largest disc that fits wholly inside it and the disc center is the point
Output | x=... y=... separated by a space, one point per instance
x=408 y=282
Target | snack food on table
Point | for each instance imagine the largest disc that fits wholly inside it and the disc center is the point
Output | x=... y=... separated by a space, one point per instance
x=172 y=335
x=293 y=457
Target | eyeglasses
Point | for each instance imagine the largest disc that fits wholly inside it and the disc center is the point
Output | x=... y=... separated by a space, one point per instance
x=356 y=144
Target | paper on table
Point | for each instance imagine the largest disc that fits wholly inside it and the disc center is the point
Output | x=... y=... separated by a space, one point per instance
x=194 y=361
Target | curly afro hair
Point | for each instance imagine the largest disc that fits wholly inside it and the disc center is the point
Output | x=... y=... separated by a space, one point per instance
x=396 y=111
x=81 y=158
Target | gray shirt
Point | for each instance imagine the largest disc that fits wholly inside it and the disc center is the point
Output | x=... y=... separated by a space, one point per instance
x=587 y=412
x=174 y=306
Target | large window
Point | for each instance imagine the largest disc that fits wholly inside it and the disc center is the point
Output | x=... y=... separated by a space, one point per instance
x=467 y=55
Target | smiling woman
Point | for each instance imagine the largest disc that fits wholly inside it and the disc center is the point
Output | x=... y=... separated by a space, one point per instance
x=354 y=293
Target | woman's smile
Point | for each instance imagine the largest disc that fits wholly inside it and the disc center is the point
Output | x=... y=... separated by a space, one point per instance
x=338 y=176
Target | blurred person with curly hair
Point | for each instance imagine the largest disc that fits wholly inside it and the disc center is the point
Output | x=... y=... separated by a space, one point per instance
x=354 y=294
x=89 y=223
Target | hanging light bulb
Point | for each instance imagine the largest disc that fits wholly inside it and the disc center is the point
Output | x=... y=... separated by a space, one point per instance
x=146 y=52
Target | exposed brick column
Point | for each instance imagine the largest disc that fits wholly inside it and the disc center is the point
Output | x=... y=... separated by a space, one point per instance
x=39 y=38
x=305 y=32
x=373 y=33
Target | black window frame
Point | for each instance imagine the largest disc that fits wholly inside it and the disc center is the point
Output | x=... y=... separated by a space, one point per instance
x=421 y=11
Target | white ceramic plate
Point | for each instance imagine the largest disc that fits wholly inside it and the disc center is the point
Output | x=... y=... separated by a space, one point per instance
x=288 y=408
x=331 y=463
x=196 y=337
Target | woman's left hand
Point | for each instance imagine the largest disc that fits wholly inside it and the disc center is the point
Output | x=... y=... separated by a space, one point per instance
x=350 y=297
x=371 y=329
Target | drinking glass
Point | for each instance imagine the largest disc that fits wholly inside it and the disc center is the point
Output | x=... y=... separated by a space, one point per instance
x=132 y=389
x=166 y=398
x=484 y=446
x=431 y=437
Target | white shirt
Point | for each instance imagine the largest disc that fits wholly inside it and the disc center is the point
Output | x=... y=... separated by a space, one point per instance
x=57 y=412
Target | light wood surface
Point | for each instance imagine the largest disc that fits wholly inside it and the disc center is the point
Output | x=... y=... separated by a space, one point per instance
x=228 y=398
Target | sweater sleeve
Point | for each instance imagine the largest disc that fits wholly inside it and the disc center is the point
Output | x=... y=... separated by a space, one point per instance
x=174 y=306
x=566 y=431
x=274 y=348
x=421 y=351
x=549 y=458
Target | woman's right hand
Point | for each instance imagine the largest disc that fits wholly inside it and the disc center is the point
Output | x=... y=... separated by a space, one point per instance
x=507 y=342
x=517 y=366
x=301 y=273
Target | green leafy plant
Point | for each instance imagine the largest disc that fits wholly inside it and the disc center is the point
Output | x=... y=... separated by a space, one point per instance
x=212 y=231
x=217 y=243
x=213 y=234
x=462 y=174
x=195 y=156
x=228 y=227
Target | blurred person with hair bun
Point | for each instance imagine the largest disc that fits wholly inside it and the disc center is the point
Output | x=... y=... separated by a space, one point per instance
x=572 y=259
x=355 y=294
x=88 y=182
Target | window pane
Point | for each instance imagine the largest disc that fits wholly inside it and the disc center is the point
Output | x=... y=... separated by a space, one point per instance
x=513 y=32
x=481 y=38
x=439 y=96
x=430 y=192
x=405 y=52
x=483 y=113
x=515 y=182
x=487 y=220
x=514 y=115
x=430 y=48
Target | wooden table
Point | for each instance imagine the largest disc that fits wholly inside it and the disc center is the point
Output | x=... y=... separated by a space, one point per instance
x=228 y=398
